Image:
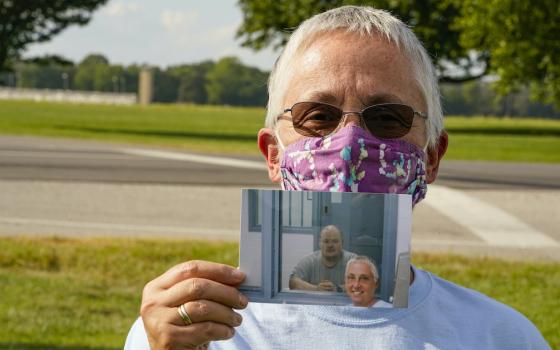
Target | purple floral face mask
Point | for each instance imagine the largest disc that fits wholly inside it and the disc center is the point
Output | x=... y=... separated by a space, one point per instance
x=353 y=160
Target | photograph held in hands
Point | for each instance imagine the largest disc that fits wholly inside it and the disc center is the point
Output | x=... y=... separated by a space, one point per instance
x=304 y=247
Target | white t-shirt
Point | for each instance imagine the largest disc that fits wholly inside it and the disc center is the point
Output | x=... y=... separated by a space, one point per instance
x=381 y=303
x=441 y=315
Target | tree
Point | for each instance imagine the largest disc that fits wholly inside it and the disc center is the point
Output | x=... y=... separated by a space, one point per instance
x=192 y=77
x=28 y=21
x=44 y=76
x=230 y=82
x=95 y=73
x=44 y=72
x=166 y=86
x=270 y=23
x=516 y=40
x=49 y=60
x=478 y=98
x=129 y=79
x=92 y=74
x=522 y=39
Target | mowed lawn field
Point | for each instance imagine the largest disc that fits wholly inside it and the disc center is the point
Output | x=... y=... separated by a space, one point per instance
x=70 y=294
x=232 y=130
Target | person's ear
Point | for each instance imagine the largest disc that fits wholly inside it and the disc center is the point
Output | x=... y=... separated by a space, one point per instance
x=269 y=148
x=435 y=154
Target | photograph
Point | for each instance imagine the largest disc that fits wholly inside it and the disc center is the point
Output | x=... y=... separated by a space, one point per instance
x=334 y=248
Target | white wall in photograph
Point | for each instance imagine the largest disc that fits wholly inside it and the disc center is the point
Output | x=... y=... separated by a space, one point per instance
x=250 y=247
x=251 y=258
x=294 y=248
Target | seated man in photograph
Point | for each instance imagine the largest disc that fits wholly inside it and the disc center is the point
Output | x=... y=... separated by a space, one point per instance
x=362 y=280
x=323 y=270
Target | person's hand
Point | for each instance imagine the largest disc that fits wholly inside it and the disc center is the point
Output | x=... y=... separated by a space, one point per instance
x=207 y=291
x=326 y=285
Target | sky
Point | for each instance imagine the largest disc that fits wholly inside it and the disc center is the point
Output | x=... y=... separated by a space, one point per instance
x=162 y=33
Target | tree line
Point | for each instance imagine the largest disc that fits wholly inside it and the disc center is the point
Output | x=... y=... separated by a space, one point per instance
x=476 y=98
x=515 y=41
x=226 y=81
x=229 y=82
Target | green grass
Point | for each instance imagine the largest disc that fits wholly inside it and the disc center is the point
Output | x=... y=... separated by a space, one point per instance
x=506 y=139
x=75 y=294
x=200 y=128
x=84 y=294
x=233 y=130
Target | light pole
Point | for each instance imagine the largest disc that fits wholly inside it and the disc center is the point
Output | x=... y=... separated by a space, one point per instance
x=115 y=84
x=64 y=80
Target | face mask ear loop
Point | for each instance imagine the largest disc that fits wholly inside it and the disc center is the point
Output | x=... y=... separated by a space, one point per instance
x=279 y=140
x=425 y=148
x=279 y=143
x=275 y=157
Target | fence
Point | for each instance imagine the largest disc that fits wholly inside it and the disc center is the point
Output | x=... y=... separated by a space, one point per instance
x=68 y=96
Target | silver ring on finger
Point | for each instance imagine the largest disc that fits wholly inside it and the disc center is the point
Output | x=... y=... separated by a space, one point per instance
x=184 y=315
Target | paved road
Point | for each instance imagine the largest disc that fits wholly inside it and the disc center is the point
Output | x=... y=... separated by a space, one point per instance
x=87 y=188
x=32 y=158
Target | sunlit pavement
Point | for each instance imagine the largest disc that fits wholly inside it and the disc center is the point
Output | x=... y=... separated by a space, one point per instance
x=210 y=212
x=520 y=224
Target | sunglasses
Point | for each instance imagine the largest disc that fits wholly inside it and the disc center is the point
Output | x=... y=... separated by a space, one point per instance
x=317 y=119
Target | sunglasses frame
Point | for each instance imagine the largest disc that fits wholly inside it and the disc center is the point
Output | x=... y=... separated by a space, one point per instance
x=345 y=113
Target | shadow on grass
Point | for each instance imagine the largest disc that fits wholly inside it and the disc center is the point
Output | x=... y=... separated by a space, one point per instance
x=516 y=131
x=163 y=133
x=33 y=346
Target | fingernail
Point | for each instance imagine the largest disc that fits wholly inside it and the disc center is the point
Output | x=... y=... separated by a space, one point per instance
x=239 y=319
x=231 y=332
x=238 y=274
x=243 y=300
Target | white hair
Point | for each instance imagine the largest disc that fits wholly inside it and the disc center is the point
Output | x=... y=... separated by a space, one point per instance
x=364 y=259
x=364 y=21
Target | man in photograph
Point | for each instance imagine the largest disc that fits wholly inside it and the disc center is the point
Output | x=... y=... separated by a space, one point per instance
x=362 y=280
x=323 y=270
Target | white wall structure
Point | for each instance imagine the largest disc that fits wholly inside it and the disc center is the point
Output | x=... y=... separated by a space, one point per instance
x=68 y=96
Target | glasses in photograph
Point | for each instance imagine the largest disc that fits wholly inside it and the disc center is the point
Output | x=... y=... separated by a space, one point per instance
x=318 y=119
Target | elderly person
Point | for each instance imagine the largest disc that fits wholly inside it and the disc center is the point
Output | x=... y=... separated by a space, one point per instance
x=353 y=106
x=362 y=280
x=323 y=270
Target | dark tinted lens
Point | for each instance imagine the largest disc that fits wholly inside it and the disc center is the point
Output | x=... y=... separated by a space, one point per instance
x=315 y=118
x=389 y=120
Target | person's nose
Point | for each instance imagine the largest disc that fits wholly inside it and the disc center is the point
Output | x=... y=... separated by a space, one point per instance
x=352 y=119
